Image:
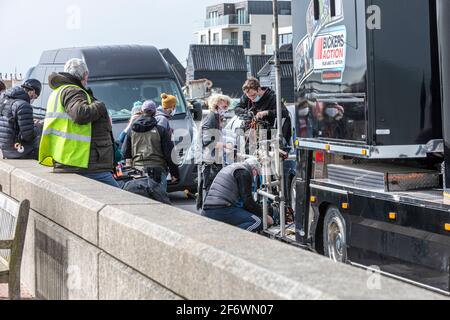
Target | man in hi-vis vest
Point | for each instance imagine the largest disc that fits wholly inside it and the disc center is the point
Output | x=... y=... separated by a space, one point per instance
x=77 y=135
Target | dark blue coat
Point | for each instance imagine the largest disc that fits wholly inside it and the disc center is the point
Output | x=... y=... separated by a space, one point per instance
x=16 y=122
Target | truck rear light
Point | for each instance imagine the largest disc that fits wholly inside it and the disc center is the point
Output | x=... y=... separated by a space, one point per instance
x=447 y=227
x=392 y=216
x=320 y=157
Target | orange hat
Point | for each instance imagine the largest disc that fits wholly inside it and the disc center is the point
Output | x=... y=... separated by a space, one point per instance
x=168 y=101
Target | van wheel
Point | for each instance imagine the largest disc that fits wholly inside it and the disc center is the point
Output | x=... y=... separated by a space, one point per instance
x=335 y=236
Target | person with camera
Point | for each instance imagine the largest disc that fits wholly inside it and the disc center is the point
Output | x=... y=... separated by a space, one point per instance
x=262 y=102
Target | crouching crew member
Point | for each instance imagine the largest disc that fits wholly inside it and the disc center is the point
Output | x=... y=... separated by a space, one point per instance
x=230 y=199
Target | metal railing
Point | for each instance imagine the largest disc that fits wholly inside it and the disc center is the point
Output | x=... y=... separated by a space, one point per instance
x=232 y=42
x=227 y=20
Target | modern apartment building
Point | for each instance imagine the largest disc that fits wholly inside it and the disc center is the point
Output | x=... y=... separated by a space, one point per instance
x=246 y=23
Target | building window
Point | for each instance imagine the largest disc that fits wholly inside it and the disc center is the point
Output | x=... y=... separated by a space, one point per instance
x=213 y=15
x=290 y=38
x=242 y=16
x=263 y=43
x=213 y=18
x=246 y=39
x=234 y=38
x=215 y=38
x=286 y=39
x=203 y=39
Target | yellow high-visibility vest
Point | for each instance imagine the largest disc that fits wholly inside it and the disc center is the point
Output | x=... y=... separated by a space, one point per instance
x=63 y=141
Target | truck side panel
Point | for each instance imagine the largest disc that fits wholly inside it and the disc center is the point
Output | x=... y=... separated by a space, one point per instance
x=414 y=245
x=330 y=65
x=405 y=105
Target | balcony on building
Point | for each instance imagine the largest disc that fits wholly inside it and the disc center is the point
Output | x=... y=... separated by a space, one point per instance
x=227 y=21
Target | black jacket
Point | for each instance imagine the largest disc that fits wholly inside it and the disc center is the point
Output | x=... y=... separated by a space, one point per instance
x=211 y=136
x=146 y=124
x=16 y=123
x=268 y=102
x=210 y=122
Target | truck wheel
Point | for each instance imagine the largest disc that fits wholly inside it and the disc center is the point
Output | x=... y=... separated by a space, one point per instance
x=335 y=236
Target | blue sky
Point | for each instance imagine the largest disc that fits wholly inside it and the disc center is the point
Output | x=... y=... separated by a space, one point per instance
x=30 y=27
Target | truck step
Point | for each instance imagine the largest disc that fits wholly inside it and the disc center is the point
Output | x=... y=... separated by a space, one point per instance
x=386 y=177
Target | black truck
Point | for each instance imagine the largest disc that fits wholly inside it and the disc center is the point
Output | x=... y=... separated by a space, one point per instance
x=373 y=147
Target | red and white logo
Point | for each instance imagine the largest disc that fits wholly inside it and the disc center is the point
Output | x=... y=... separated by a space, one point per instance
x=330 y=50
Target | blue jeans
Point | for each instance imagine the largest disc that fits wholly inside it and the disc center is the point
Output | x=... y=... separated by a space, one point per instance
x=238 y=217
x=164 y=182
x=103 y=177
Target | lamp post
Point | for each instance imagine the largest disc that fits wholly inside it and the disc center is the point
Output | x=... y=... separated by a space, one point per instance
x=443 y=21
x=279 y=162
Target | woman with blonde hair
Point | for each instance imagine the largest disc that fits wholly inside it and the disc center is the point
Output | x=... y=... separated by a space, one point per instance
x=212 y=144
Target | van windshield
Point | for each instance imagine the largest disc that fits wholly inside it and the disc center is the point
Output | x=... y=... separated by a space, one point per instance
x=120 y=95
